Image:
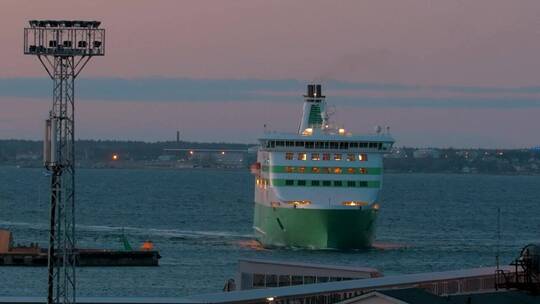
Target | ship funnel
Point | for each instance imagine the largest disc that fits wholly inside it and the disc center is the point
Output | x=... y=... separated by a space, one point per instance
x=314 y=91
x=314 y=114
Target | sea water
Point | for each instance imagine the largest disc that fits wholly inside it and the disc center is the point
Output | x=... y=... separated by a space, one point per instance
x=201 y=221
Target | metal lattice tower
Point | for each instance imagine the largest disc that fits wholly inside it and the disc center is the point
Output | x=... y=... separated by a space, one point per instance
x=63 y=48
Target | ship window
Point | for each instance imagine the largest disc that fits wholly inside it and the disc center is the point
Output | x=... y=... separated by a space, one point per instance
x=289 y=182
x=326 y=156
x=297 y=280
x=351 y=157
x=338 y=183
x=351 y=184
x=318 y=145
x=327 y=170
x=289 y=156
x=284 y=280
x=333 y=145
x=302 y=156
x=350 y=170
x=337 y=156
x=289 y=143
x=326 y=183
x=301 y=169
x=272 y=144
x=380 y=146
x=301 y=182
x=299 y=143
x=309 y=279
x=289 y=169
x=372 y=145
x=363 y=145
x=337 y=170
x=271 y=280
x=354 y=145
x=280 y=143
x=362 y=157
x=315 y=170
x=326 y=145
x=315 y=183
x=322 y=279
x=344 y=145
x=258 y=280
x=363 y=184
x=362 y=170
x=309 y=145
x=315 y=156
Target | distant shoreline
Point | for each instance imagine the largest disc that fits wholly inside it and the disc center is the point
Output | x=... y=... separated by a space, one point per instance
x=386 y=172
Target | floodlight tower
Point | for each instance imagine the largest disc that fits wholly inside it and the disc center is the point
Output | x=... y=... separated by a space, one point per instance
x=63 y=47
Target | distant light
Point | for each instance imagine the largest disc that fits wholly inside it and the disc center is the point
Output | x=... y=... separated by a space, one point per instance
x=222 y=152
x=341 y=131
x=191 y=152
x=376 y=207
x=115 y=157
x=270 y=299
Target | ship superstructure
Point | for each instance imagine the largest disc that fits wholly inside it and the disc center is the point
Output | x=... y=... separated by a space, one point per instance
x=318 y=188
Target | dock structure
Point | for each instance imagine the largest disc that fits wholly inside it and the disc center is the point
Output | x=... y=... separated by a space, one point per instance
x=33 y=255
x=258 y=273
x=438 y=283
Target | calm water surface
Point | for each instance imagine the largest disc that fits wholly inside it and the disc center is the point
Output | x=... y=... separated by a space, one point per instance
x=201 y=221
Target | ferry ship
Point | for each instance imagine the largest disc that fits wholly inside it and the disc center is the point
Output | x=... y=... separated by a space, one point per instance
x=318 y=188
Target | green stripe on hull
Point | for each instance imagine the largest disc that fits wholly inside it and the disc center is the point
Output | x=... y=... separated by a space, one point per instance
x=314 y=228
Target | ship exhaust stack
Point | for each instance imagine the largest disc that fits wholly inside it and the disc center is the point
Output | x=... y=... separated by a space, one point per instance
x=314 y=114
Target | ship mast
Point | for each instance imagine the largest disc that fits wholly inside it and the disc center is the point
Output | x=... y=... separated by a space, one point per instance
x=314 y=111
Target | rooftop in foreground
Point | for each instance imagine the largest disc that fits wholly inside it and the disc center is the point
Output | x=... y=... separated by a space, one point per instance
x=465 y=281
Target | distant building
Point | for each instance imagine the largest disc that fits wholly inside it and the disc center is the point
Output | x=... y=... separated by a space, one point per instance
x=166 y=157
x=396 y=153
x=427 y=153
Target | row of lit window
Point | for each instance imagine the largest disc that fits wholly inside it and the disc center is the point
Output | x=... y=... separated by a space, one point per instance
x=262 y=181
x=327 y=156
x=325 y=183
x=325 y=144
x=325 y=170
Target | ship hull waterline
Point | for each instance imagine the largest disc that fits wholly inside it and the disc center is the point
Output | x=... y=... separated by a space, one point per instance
x=338 y=229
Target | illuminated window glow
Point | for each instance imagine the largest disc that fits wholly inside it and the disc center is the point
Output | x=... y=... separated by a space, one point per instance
x=298 y=203
x=362 y=157
x=337 y=156
x=289 y=156
x=354 y=203
x=302 y=156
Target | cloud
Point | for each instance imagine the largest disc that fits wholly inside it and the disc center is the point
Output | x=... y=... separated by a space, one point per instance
x=288 y=91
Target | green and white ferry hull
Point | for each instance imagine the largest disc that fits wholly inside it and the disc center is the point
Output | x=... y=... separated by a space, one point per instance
x=318 y=188
x=314 y=228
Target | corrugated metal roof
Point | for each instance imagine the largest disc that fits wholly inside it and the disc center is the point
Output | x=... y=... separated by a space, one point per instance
x=316 y=266
x=375 y=283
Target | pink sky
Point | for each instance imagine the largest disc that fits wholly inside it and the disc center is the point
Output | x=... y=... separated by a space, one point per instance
x=488 y=43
